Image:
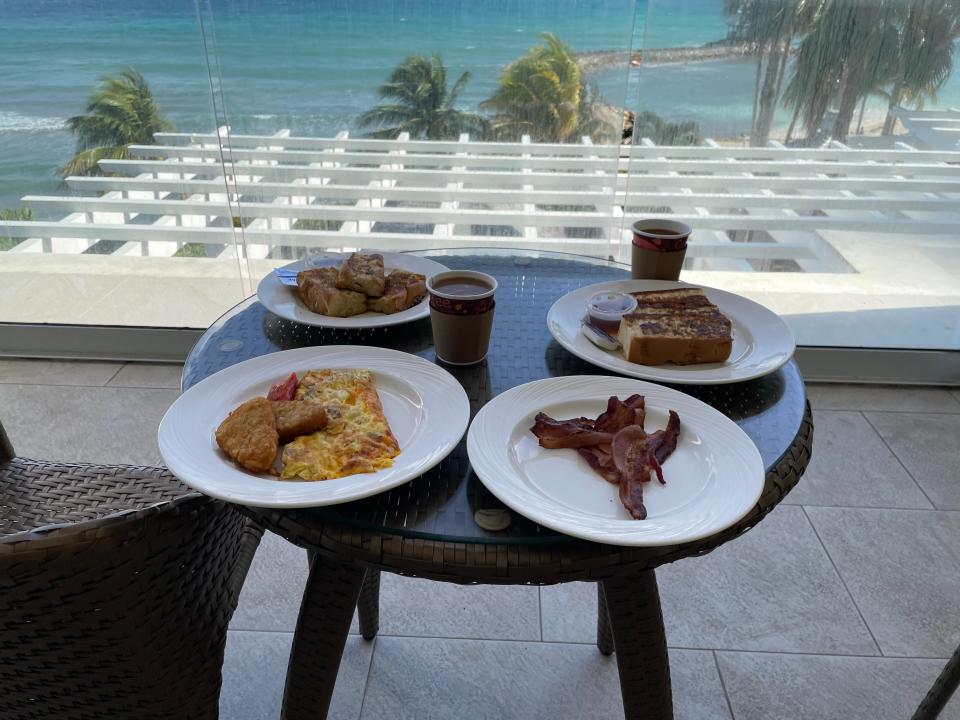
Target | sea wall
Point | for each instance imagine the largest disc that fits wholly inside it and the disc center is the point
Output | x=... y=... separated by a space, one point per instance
x=602 y=59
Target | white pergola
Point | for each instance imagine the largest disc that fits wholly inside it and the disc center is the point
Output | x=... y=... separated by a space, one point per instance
x=408 y=194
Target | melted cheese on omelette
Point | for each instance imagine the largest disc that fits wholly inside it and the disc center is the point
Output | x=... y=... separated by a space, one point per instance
x=357 y=438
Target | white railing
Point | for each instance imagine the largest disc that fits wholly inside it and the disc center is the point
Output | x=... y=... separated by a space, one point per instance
x=537 y=195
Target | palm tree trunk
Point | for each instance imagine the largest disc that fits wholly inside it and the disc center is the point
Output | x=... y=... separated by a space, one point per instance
x=863 y=106
x=756 y=95
x=768 y=99
x=793 y=121
x=895 y=94
x=785 y=62
x=848 y=104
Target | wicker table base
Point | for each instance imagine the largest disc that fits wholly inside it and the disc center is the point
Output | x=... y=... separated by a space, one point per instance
x=345 y=574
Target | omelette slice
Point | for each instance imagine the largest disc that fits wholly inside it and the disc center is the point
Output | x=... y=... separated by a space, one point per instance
x=357 y=438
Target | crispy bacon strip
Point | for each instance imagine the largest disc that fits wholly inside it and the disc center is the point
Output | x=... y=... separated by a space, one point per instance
x=634 y=458
x=619 y=414
x=576 y=433
x=602 y=463
x=616 y=446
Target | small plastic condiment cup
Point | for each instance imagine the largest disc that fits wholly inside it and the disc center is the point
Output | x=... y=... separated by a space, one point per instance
x=609 y=307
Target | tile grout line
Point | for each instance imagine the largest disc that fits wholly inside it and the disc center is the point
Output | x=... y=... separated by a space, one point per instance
x=101 y=387
x=590 y=643
x=366 y=682
x=122 y=366
x=540 y=609
x=855 y=656
x=890 y=412
x=723 y=685
x=867 y=507
x=899 y=461
x=842 y=581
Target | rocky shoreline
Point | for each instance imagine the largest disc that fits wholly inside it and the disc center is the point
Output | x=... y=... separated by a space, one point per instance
x=603 y=59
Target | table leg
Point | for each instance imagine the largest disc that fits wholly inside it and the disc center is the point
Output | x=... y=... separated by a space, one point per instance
x=368 y=606
x=641 y=645
x=604 y=633
x=326 y=611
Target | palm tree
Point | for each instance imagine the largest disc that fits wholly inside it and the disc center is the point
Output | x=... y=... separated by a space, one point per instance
x=650 y=125
x=422 y=105
x=121 y=112
x=767 y=27
x=543 y=94
x=850 y=52
x=924 y=61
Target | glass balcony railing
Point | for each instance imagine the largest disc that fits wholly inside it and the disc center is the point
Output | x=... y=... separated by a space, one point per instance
x=183 y=152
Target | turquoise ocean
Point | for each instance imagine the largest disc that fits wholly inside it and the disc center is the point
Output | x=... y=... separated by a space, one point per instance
x=313 y=65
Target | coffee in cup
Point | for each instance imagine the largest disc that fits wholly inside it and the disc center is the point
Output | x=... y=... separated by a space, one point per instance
x=659 y=248
x=461 y=312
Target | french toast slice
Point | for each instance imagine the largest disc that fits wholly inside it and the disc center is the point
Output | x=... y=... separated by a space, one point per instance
x=401 y=290
x=319 y=292
x=677 y=298
x=362 y=273
x=679 y=337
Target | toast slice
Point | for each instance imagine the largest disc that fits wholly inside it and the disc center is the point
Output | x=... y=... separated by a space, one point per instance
x=401 y=290
x=362 y=273
x=679 y=337
x=318 y=290
x=680 y=298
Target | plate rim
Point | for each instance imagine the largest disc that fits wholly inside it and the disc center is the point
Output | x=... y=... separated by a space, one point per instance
x=543 y=517
x=185 y=471
x=664 y=373
x=355 y=322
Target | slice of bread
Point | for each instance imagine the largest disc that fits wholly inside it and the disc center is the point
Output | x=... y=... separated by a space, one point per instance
x=318 y=290
x=680 y=337
x=401 y=290
x=678 y=298
x=362 y=273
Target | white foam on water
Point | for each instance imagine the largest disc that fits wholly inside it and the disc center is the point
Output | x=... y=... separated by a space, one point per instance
x=15 y=122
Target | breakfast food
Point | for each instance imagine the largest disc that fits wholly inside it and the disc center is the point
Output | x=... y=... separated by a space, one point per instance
x=401 y=290
x=616 y=446
x=357 y=438
x=297 y=418
x=362 y=273
x=319 y=292
x=675 y=326
x=249 y=435
x=359 y=285
x=331 y=421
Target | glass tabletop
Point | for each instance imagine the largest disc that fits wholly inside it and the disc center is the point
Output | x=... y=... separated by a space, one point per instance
x=441 y=504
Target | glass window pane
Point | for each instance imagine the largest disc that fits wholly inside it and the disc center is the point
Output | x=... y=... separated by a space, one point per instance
x=819 y=164
x=413 y=125
x=98 y=224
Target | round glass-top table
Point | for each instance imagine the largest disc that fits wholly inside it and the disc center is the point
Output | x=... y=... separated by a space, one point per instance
x=427 y=527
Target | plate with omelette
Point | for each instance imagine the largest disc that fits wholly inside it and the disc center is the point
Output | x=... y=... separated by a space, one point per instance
x=350 y=290
x=313 y=426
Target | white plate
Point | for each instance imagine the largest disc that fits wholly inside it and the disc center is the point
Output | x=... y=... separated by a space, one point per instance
x=713 y=478
x=426 y=407
x=762 y=341
x=283 y=300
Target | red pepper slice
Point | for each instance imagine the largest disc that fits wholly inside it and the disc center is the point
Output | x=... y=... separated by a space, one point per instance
x=286 y=390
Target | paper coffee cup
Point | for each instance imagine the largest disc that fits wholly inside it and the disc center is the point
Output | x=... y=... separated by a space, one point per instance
x=461 y=313
x=659 y=249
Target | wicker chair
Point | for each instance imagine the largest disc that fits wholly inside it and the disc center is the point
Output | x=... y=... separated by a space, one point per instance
x=116 y=588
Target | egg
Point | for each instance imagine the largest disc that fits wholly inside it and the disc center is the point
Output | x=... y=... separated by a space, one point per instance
x=357 y=438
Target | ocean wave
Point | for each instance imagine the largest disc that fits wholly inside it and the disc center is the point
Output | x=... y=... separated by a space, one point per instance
x=264 y=117
x=15 y=122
